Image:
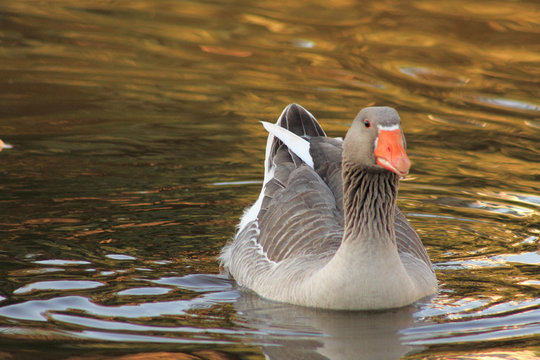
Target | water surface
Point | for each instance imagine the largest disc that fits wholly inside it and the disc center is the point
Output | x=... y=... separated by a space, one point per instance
x=135 y=145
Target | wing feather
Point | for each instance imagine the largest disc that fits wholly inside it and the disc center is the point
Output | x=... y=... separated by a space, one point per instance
x=407 y=240
x=298 y=198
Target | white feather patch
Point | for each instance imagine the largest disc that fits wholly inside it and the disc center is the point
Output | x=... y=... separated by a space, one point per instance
x=294 y=142
x=250 y=214
x=388 y=128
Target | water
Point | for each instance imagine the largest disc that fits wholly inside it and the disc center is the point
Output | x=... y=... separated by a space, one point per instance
x=135 y=146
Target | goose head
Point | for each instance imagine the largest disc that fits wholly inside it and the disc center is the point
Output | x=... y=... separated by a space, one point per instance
x=375 y=141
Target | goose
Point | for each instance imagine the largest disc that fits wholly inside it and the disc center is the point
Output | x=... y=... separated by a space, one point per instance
x=325 y=231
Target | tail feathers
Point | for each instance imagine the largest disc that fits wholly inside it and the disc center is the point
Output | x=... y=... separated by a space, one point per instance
x=299 y=121
x=291 y=133
x=296 y=144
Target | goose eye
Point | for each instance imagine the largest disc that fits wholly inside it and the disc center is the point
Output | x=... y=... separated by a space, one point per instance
x=367 y=123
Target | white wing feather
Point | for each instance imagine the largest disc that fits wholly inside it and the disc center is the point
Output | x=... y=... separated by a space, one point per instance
x=294 y=142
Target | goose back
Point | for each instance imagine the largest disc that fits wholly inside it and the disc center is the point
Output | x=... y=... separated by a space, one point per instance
x=300 y=213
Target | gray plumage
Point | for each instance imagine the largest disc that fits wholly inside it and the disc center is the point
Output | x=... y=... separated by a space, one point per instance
x=287 y=247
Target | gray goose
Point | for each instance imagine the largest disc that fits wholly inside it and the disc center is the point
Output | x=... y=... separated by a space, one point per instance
x=325 y=231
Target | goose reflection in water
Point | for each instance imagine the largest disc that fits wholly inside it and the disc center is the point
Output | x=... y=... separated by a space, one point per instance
x=297 y=332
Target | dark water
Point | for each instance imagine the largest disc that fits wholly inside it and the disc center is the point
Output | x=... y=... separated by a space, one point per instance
x=135 y=145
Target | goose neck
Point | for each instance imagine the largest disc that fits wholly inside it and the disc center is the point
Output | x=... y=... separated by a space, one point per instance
x=369 y=201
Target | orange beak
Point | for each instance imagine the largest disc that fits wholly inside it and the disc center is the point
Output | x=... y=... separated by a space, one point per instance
x=390 y=153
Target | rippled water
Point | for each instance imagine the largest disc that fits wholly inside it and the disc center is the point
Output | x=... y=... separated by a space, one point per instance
x=135 y=145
